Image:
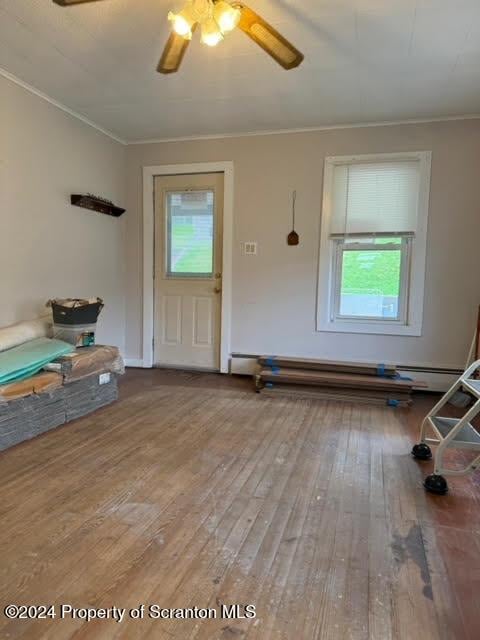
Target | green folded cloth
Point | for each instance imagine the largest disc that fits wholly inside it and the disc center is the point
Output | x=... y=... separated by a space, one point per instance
x=29 y=358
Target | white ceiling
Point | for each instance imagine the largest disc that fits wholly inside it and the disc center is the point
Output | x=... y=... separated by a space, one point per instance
x=365 y=61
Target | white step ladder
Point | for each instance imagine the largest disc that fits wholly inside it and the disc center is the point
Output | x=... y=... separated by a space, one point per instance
x=453 y=433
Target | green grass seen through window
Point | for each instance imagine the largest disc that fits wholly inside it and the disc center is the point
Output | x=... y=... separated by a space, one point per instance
x=192 y=246
x=373 y=272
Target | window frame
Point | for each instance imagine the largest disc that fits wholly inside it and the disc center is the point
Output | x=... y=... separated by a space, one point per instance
x=410 y=321
x=340 y=247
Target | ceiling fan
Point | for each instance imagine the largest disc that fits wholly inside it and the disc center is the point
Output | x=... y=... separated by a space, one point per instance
x=216 y=19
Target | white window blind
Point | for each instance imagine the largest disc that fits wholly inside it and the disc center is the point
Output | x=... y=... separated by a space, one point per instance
x=375 y=197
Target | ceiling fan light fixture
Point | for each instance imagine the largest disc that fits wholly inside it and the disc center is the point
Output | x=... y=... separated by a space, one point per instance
x=226 y=15
x=217 y=18
x=211 y=32
x=182 y=22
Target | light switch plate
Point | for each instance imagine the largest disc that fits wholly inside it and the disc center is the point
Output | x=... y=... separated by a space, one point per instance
x=249 y=248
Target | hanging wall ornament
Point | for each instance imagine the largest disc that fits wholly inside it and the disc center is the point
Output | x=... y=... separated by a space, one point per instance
x=292 y=238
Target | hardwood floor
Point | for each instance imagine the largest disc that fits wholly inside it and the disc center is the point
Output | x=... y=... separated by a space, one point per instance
x=194 y=491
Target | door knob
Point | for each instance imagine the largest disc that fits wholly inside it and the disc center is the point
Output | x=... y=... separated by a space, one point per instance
x=217 y=290
x=218 y=275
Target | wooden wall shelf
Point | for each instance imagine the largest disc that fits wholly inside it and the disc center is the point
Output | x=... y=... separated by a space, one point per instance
x=96 y=204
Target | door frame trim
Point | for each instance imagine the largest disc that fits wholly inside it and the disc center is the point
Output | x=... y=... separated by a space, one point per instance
x=149 y=175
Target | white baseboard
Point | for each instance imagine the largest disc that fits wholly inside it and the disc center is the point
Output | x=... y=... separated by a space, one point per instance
x=435 y=381
x=243 y=366
x=134 y=362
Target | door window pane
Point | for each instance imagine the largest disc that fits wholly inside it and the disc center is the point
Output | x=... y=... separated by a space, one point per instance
x=190 y=227
x=370 y=283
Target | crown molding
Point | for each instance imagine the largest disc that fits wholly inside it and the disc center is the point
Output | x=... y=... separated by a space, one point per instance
x=229 y=134
x=333 y=127
x=28 y=87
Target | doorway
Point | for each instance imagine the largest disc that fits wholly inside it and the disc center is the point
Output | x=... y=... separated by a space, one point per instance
x=188 y=270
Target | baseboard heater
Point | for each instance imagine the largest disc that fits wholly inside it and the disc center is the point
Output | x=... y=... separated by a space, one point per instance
x=437 y=378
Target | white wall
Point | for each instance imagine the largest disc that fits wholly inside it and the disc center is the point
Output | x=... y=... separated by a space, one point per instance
x=274 y=293
x=47 y=247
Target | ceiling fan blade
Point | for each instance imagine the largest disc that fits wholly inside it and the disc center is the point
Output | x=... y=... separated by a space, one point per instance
x=173 y=53
x=67 y=3
x=269 y=39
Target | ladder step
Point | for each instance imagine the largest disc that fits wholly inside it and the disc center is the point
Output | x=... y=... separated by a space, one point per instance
x=473 y=386
x=467 y=438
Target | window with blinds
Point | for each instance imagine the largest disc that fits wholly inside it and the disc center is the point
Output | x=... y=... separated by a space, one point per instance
x=375 y=198
x=373 y=227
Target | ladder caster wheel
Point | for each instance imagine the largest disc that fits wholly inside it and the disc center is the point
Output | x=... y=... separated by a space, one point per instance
x=436 y=484
x=422 y=451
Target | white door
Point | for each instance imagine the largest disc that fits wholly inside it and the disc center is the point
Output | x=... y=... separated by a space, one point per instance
x=188 y=265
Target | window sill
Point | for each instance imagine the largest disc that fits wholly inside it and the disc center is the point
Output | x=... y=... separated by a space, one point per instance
x=372 y=327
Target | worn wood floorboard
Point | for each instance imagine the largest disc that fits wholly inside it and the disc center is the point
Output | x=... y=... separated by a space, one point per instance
x=194 y=491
